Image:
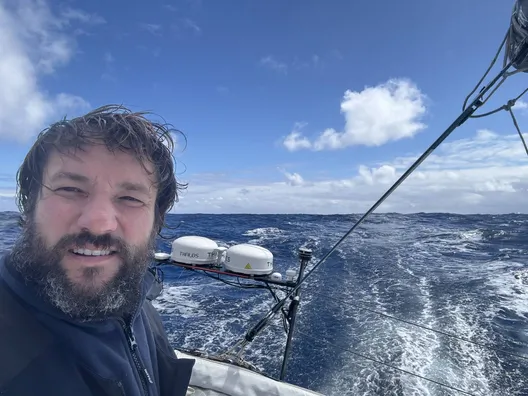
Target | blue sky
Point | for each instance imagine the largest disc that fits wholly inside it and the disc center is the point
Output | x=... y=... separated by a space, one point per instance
x=254 y=85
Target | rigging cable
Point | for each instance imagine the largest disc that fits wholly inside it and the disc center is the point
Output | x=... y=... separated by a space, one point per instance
x=384 y=364
x=346 y=302
x=253 y=286
x=516 y=41
x=464 y=106
x=250 y=335
x=518 y=129
x=285 y=321
x=518 y=54
x=508 y=107
x=234 y=284
x=365 y=357
x=513 y=48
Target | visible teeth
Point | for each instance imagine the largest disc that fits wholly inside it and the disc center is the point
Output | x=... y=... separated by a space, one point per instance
x=87 y=252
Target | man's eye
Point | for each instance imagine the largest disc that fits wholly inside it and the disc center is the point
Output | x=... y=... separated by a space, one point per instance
x=131 y=199
x=69 y=189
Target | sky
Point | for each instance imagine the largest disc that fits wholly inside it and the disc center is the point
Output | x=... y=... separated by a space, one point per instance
x=286 y=106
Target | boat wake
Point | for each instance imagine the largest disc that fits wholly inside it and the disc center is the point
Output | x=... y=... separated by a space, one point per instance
x=406 y=300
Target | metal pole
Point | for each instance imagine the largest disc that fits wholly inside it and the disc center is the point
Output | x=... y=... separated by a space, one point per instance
x=463 y=117
x=305 y=256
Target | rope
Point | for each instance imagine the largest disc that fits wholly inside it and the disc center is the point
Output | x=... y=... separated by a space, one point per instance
x=466 y=114
x=242 y=343
x=383 y=363
x=346 y=302
x=506 y=41
x=464 y=106
x=253 y=332
x=492 y=92
x=518 y=129
x=506 y=107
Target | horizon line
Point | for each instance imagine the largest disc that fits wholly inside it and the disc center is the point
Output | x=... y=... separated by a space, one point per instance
x=326 y=214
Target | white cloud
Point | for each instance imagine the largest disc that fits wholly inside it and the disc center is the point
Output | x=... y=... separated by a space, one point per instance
x=373 y=117
x=7 y=194
x=309 y=62
x=273 y=64
x=84 y=17
x=487 y=173
x=109 y=68
x=385 y=174
x=108 y=57
x=294 y=179
x=315 y=61
x=170 y=7
x=295 y=141
x=189 y=23
x=34 y=41
x=152 y=28
x=181 y=26
x=521 y=105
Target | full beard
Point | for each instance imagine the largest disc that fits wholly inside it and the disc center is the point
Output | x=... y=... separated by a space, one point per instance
x=41 y=266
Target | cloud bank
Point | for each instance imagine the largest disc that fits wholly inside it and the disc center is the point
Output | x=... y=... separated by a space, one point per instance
x=35 y=42
x=487 y=173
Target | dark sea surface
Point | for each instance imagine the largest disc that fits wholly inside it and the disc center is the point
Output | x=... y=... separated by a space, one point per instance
x=457 y=274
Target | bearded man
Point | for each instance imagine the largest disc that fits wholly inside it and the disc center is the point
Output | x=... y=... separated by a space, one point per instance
x=75 y=319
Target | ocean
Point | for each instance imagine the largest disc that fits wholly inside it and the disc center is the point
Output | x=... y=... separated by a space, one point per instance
x=374 y=302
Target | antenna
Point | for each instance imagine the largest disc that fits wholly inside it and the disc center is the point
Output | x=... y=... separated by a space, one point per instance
x=517 y=53
x=251 y=263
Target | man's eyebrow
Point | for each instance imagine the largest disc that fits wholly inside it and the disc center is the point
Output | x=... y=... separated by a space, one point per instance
x=70 y=176
x=138 y=187
x=127 y=185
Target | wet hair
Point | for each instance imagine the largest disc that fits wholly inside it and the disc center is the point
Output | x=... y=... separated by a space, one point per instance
x=118 y=128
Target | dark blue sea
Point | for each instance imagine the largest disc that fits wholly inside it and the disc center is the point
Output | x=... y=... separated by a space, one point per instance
x=461 y=275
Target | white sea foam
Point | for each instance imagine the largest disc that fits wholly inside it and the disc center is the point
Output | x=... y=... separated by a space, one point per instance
x=396 y=269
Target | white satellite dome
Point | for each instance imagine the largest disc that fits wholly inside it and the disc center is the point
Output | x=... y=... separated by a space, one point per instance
x=249 y=259
x=195 y=250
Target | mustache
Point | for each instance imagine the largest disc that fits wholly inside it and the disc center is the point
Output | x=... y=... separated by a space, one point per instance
x=102 y=242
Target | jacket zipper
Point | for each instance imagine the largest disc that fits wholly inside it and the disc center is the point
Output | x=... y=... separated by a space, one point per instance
x=143 y=372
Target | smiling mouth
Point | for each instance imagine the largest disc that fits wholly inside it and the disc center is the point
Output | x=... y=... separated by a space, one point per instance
x=90 y=252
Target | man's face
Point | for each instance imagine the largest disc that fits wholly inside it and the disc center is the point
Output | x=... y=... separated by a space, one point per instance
x=92 y=233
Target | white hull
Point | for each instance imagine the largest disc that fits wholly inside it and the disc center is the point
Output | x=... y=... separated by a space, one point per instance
x=213 y=378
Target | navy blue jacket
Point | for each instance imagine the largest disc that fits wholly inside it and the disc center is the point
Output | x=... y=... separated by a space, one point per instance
x=44 y=352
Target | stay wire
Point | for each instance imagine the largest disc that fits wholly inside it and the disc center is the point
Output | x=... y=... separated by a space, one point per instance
x=508 y=106
x=504 y=44
x=464 y=106
x=463 y=117
x=491 y=93
x=382 y=363
x=518 y=129
x=284 y=313
x=239 y=285
x=421 y=326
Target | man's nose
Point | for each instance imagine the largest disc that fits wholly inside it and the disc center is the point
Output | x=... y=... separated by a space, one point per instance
x=98 y=216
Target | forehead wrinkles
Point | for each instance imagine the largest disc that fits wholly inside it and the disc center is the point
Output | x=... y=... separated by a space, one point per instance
x=61 y=169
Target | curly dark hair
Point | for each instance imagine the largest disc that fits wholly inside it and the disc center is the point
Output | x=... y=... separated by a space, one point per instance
x=118 y=128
